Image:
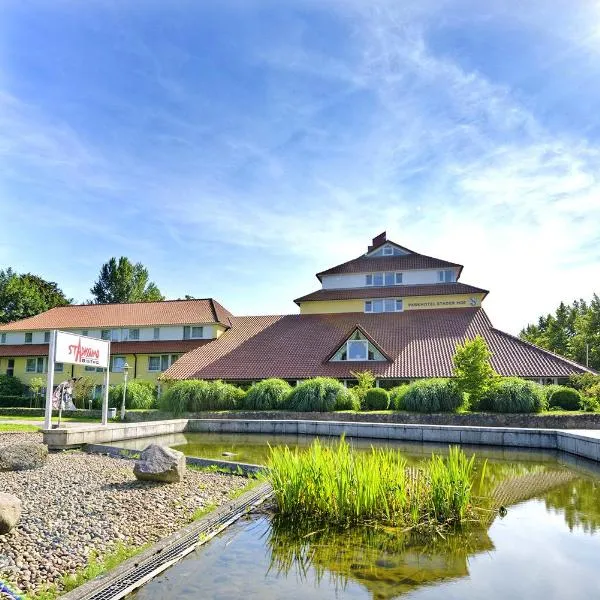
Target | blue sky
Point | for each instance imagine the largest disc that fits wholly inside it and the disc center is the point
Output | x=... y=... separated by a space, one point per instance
x=237 y=148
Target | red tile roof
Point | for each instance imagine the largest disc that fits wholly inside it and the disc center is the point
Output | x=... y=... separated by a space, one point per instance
x=394 y=291
x=99 y=316
x=421 y=343
x=150 y=347
x=371 y=264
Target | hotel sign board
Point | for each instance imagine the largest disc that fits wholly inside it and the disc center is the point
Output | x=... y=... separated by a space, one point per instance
x=81 y=350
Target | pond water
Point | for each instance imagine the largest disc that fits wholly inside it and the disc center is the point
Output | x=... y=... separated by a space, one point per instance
x=546 y=547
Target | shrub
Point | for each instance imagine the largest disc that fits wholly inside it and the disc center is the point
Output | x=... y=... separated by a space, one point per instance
x=268 y=394
x=138 y=395
x=196 y=395
x=589 y=404
x=15 y=401
x=11 y=386
x=565 y=398
x=584 y=381
x=365 y=382
x=83 y=391
x=473 y=372
x=514 y=395
x=397 y=397
x=433 y=395
x=347 y=400
x=315 y=395
x=377 y=399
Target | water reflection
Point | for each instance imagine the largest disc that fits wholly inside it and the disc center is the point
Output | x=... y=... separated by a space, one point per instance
x=387 y=562
x=579 y=503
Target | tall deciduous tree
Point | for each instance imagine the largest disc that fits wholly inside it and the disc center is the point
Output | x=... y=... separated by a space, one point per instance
x=122 y=281
x=572 y=331
x=472 y=368
x=25 y=295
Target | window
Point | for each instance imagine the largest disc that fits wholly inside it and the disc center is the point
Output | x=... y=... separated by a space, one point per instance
x=154 y=363
x=134 y=334
x=105 y=334
x=58 y=367
x=446 y=276
x=85 y=332
x=161 y=363
x=357 y=349
x=46 y=337
x=35 y=365
x=197 y=332
x=383 y=305
x=10 y=367
x=89 y=369
x=388 y=250
x=381 y=279
x=28 y=337
x=2 y=338
x=156 y=333
x=115 y=335
x=117 y=364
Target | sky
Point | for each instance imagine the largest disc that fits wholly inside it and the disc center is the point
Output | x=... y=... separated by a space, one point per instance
x=236 y=148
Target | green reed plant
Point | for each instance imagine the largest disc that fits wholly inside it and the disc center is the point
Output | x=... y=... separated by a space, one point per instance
x=336 y=486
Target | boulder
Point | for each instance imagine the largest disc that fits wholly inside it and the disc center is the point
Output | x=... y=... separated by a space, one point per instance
x=157 y=463
x=20 y=457
x=10 y=512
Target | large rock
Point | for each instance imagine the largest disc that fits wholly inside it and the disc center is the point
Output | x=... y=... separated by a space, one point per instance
x=10 y=512
x=20 y=457
x=157 y=463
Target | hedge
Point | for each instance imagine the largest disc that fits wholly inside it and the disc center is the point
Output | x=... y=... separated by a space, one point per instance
x=377 y=399
x=268 y=394
x=196 y=395
x=347 y=400
x=16 y=401
x=317 y=395
x=565 y=398
x=11 y=386
x=433 y=395
x=138 y=395
x=514 y=395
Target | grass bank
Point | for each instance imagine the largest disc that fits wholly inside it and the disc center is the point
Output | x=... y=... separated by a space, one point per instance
x=334 y=485
x=17 y=427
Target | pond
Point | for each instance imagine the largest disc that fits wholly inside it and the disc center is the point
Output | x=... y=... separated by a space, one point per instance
x=546 y=546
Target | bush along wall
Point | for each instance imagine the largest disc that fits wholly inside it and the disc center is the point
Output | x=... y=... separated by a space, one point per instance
x=564 y=398
x=514 y=395
x=196 y=395
x=432 y=396
x=138 y=395
x=377 y=399
x=268 y=394
x=317 y=395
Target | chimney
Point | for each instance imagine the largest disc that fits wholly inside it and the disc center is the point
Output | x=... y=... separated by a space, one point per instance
x=377 y=241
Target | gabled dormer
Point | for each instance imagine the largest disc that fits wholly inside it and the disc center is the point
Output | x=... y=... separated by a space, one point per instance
x=358 y=346
x=380 y=246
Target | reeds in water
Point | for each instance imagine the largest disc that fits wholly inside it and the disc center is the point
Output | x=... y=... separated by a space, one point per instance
x=334 y=485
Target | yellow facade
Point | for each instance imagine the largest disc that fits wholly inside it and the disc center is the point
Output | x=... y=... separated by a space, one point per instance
x=409 y=303
x=138 y=364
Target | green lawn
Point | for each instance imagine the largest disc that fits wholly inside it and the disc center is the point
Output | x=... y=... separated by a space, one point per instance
x=54 y=418
x=12 y=427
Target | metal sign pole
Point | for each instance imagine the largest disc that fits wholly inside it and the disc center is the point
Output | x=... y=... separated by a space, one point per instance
x=50 y=381
x=105 y=390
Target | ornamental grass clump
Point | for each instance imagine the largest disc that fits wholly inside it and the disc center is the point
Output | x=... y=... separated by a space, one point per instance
x=268 y=394
x=195 y=395
x=514 y=395
x=335 y=486
x=319 y=394
x=432 y=396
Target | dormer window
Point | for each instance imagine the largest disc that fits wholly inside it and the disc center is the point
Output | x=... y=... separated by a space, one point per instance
x=388 y=250
x=358 y=348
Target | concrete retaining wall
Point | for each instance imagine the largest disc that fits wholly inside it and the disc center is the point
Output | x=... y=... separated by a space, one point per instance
x=535 y=421
x=113 y=432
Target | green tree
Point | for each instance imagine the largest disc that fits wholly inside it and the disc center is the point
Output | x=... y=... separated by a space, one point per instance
x=472 y=369
x=36 y=384
x=123 y=281
x=572 y=331
x=25 y=295
x=365 y=382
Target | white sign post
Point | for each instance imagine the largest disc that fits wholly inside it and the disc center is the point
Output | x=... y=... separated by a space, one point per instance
x=76 y=349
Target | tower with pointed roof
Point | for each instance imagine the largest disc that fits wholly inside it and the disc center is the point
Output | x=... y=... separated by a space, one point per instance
x=390 y=278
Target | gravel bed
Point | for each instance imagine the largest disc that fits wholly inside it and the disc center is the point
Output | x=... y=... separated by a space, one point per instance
x=78 y=503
